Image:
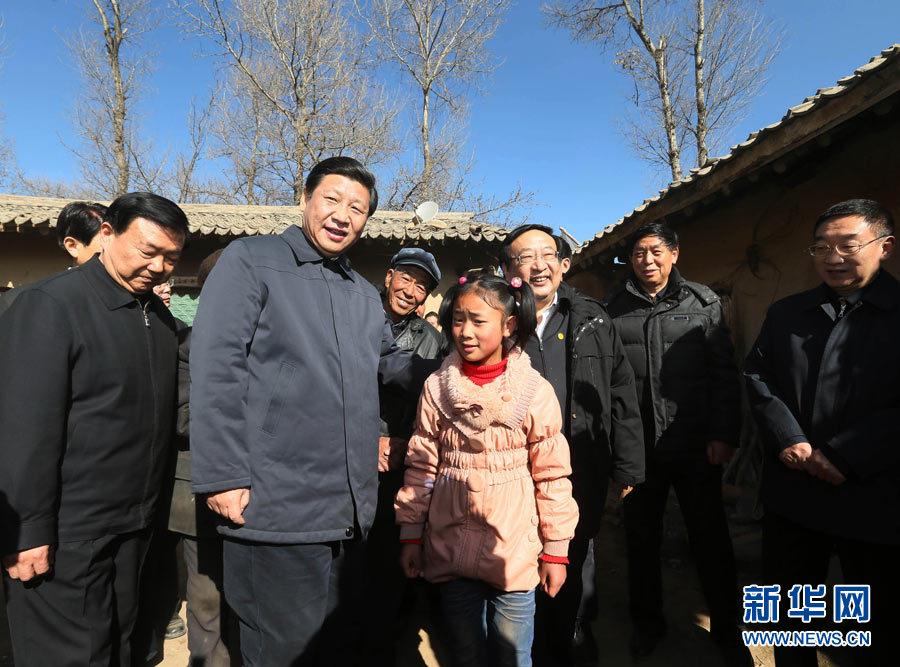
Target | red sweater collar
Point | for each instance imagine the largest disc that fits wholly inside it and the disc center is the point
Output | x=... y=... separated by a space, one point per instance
x=482 y=375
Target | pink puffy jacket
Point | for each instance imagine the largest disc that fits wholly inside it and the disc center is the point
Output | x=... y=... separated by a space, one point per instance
x=486 y=483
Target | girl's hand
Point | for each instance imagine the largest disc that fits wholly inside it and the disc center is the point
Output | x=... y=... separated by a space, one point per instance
x=553 y=576
x=411 y=560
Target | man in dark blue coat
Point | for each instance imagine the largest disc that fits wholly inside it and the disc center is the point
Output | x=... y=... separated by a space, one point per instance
x=288 y=349
x=823 y=380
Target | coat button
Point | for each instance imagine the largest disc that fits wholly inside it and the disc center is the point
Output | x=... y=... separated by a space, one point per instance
x=532 y=537
x=475 y=482
x=574 y=416
x=476 y=443
x=535 y=521
x=349 y=532
x=506 y=397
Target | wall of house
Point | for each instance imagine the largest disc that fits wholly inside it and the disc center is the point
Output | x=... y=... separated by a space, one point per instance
x=752 y=246
x=29 y=256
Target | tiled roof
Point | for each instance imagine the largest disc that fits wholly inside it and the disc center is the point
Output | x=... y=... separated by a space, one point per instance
x=698 y=176
x=22 y=213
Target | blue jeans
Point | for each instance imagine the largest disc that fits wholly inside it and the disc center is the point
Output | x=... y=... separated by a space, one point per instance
x=487 y=626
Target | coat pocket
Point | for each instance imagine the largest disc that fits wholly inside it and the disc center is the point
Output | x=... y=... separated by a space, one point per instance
x=277 y=398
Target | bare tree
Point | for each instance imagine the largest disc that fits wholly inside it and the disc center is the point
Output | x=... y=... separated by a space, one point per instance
x=302 y=64
x=113 y=65
x=440 y=49
x=731 y=48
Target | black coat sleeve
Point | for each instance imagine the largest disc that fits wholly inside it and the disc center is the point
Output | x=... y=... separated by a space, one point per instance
x=36 y=344
x=626 y=430
x=724 y=383
x=777 y=424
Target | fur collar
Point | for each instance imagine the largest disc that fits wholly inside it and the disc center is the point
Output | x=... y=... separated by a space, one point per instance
x=472 y=408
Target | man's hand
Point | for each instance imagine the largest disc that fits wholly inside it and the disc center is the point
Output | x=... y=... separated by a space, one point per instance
x=411 y=559
x=795 y=456
x=819 y=466
x=553 y=576
x=622 y=490
x=28 y=564
x=718 y=453
x=230 y=504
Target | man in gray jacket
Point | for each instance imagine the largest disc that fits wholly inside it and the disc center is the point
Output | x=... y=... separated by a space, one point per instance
x=289 y=345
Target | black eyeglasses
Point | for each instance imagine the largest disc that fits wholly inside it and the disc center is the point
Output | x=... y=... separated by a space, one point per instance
x=530 y=257
x=842 y=249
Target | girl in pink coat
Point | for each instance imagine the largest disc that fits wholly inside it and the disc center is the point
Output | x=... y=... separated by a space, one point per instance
x=487 y=509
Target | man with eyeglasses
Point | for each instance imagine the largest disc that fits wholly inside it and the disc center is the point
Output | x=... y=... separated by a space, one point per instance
x=823 y=380
x=689 y=389
x=414 y=274
x=576 y=348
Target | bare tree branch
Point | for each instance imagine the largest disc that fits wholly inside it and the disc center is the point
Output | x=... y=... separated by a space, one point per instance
x=298 y=65
x=729 y=44
x=112 y=64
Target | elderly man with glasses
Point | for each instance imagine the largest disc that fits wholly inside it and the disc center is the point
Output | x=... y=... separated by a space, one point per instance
x=579 y=352
x=823 y=380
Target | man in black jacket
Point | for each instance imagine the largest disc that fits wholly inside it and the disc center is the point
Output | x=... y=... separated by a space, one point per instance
x=88 y=359
x=683 y=360
x=413 y=275
x=579 y=352
x=823 y=381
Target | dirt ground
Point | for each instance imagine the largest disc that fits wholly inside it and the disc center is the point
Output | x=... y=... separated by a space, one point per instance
x=687 y=643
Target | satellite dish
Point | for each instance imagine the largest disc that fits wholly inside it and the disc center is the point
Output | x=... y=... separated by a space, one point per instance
x=426 y=211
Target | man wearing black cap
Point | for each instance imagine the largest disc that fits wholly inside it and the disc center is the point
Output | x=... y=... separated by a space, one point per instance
x=413 y=275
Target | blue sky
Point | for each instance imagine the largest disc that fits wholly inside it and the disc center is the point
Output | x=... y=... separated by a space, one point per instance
x=547 y=118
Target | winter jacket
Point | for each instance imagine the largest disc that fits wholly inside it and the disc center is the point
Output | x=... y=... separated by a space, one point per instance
x=834 y=383
x=680 y=349
x=398 y=410
x=487 y=477
x=87 y=404
x=602 y=419
x=287 y=351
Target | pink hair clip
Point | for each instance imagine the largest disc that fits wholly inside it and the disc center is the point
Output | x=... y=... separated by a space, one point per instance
x=462 y=280
x=516 y=282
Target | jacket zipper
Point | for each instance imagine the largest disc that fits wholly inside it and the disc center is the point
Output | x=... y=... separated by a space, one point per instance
x=148 y=337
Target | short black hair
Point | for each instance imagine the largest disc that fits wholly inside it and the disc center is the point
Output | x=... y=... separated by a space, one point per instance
x=80 y=220
x=504 y=258
x=666 y=234
x=430 y=313
x=343 y=166
x=206 y=266
x=498 y=293
x=876 y=214
x=160 y=210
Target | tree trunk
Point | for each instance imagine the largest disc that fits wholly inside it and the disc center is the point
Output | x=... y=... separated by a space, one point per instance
x=426 y=140
x=662 y=76
x=702 y=127
x=113 y=36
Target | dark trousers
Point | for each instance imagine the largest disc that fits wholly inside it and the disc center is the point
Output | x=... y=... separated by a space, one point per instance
x=698 y=487
x=793 y=554
x=555 y=618
x=212 y=628
x=82 y=613
x=160 y=597
x=298 y=604
x=387 y=588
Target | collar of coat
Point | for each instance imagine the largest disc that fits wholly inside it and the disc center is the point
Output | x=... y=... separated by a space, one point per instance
x=882 y=293
x=111 y=293
x=305 y=252
x=471 y=408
